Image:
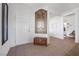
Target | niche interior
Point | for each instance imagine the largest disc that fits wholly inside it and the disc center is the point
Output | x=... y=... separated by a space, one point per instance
x=41 y=21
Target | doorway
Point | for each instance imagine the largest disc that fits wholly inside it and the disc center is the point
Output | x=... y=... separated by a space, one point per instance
x=69 y=27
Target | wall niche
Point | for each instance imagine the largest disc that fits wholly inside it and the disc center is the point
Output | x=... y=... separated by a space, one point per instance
x=41 y=21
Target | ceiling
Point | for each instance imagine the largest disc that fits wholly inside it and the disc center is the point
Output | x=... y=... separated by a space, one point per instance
x=54 y=8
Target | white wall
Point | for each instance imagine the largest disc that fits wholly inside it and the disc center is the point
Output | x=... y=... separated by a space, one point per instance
x=11 y=31
x=12 y=25
x=24 y=21
x=56 y=27
x=77 y=26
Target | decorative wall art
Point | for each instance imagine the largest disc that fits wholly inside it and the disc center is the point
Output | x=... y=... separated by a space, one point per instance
x=41 y=21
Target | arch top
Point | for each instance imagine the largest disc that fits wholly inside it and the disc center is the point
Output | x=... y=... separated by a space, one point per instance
x=42 y=10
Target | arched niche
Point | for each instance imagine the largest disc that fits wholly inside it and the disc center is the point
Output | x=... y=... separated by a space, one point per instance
x=41 y=21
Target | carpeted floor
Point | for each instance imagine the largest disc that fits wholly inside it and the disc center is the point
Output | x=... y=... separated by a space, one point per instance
x=57 y=47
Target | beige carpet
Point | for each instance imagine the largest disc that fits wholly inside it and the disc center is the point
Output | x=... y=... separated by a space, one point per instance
x=57 y=47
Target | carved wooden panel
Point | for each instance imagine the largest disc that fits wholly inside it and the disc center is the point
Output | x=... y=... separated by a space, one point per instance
x=41 y=21
x=40 y=41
